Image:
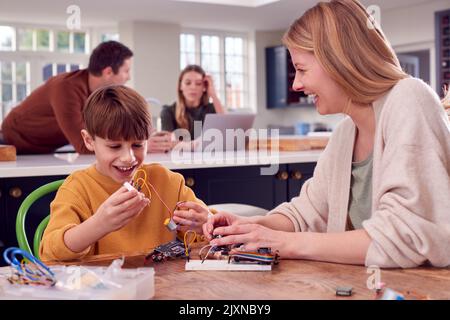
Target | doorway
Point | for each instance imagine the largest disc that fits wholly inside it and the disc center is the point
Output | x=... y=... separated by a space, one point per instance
x=416 y=64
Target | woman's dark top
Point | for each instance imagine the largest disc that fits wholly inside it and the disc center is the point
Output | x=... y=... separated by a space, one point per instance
x=169 y=123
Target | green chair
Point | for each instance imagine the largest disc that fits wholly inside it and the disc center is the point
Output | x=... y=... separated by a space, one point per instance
x=22 y=213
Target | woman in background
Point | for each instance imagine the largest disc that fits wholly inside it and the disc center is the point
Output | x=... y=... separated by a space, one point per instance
x=195 y=89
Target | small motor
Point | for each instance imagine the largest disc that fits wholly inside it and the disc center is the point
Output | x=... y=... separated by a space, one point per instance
x=170 y=224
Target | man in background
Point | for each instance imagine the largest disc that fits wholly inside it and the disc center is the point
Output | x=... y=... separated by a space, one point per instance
x=51 y=116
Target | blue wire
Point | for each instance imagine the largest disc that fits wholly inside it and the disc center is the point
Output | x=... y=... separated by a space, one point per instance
x=12 y=261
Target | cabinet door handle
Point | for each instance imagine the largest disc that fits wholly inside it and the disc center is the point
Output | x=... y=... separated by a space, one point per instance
x=283 y=175
x=15 y=192
x=296 y=175
x=190 y=182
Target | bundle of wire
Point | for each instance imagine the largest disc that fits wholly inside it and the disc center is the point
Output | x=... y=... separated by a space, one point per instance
x=28 y=270
x=252 y=256
x=140 y=180
x=239 y=254
x=187 y=243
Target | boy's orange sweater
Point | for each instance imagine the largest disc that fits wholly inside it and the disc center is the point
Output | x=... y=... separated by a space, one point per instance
x=84 y=191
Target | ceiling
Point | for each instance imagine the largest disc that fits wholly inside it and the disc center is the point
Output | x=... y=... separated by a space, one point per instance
x=272 y=16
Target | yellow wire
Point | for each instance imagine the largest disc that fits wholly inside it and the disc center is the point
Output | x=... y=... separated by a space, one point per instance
x=186 y=245
x=145 y=184
x=140 y=171
x=137 y=173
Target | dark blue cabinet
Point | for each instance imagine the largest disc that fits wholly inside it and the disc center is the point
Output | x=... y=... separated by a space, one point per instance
x=298 y=175
x=14 y=191
x=243 y=185
x=442 y=23
x=280 y=75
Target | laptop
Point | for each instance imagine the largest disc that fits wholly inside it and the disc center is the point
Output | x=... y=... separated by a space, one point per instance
x=225 y=132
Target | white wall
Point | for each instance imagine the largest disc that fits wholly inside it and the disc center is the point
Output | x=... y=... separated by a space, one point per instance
x=406 y=26
x=156 y=48
x=412 y=29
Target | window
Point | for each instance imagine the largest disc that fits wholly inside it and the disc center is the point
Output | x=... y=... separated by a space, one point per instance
x=63 y=41
x=43 y=40
x=225 y=58
x=30 y=55
x=7 y=38
x=52 y=69
x=108 y=36
x=14 y=84
x=234 y=72
x=187 y=50
x=210 y=61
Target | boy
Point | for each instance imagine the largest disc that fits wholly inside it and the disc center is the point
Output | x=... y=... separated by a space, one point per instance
x=93 y=213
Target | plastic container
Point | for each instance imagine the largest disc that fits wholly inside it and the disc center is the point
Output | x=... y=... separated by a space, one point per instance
x=87 y=283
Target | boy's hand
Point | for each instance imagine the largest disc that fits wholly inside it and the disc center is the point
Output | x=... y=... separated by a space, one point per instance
x=119 y=209
x=191 y=215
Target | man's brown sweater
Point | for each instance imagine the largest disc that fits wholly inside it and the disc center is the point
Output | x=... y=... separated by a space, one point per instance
x=51 y=116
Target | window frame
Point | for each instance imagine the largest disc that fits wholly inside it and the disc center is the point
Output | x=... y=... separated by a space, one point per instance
x=198 y=33
x=37 y=59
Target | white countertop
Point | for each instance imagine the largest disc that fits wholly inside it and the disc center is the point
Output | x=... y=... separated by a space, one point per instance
x=65 y=163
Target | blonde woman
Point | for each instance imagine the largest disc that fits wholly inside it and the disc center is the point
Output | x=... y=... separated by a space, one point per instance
x=380 y=194
x=195 y=89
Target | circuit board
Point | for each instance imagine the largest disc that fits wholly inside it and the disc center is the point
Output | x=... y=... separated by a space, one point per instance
x=169 y=250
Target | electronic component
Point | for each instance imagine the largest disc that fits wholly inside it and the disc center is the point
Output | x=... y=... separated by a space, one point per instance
x=139 y=181
x=344 y=291
x=169 y=250
x=223 y=265
x=224 y=250
x=262 y=256
x=170 y=224
x=128 y=186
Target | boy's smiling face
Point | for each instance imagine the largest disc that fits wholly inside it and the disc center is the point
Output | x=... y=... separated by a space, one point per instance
x=116 y=159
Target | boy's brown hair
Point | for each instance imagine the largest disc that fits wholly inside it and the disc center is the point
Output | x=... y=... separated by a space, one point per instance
x=117 y=113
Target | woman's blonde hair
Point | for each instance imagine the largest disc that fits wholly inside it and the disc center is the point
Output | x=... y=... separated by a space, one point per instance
x=349 y=46
x=180 y=109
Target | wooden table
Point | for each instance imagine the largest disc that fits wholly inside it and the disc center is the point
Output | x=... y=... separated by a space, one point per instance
x=290 y=279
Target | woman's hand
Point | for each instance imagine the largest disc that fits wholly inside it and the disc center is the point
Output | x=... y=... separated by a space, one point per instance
x=191 y=215
x=222 y=219
x=252 y=236
x=211 y=91
x=210 y=88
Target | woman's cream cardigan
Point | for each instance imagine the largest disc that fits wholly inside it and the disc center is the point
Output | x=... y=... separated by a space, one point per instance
x=410 y=221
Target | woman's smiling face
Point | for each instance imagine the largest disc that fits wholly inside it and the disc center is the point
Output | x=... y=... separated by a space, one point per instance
x=313 y=80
